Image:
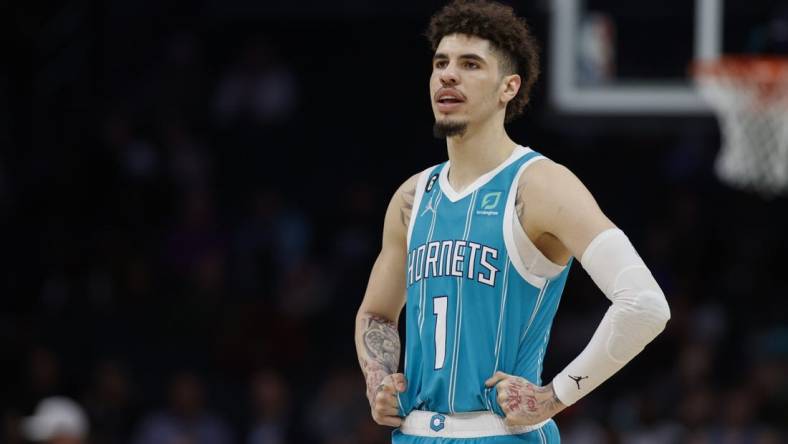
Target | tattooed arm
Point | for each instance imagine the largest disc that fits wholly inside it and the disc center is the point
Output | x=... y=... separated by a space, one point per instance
x=377 y=338
x=523 y=402
x=380 y=354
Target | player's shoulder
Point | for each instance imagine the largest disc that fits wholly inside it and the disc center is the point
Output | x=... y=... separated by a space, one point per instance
x=409 y=186
x=405 y=192
x=405 y=197
x=547 y=177
x=401 y=206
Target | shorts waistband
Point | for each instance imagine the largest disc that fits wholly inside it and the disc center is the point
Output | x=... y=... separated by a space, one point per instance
x=461 y=425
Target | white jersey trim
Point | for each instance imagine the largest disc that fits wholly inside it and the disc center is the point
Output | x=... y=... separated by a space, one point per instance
x=461 y=425
x=529 y=262
x=454 y=196
x=414 y=213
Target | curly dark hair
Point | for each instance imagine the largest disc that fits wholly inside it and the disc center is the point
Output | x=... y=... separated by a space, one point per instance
x=507 y=33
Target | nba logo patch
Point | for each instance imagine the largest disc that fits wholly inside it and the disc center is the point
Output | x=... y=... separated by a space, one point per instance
x=489 y=203
x=437 y=422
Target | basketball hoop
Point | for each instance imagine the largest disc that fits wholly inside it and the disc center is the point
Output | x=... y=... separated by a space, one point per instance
x=750 y=97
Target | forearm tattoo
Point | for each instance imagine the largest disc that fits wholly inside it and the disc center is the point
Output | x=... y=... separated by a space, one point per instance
x=408 y=196
x=380 y=357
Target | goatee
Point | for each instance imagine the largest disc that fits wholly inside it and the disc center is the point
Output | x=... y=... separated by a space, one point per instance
x=442 y=130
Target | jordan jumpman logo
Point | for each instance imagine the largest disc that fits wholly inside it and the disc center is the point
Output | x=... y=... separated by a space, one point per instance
x=429 y=208
x=577 y=379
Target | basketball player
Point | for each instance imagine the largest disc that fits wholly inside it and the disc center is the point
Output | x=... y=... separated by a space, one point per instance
x=479 y=248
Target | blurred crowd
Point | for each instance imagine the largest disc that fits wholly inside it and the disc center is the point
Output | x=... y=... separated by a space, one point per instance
x=190 y=272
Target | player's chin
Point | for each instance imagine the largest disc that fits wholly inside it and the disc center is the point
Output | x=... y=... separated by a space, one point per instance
x=450 y=120
x=449 y=127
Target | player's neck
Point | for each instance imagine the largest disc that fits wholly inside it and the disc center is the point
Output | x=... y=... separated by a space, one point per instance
x=477 y=152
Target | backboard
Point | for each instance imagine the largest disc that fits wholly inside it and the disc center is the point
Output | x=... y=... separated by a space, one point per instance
x=624 y=57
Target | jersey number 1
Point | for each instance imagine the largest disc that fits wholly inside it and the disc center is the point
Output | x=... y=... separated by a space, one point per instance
x=439 y=304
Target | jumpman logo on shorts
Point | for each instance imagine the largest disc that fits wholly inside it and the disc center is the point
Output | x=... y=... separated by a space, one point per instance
x=577 y=379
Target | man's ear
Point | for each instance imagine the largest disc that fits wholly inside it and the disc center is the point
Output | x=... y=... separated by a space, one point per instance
x=510 y=87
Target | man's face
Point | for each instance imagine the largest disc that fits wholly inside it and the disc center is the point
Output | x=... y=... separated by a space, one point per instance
x=466 y=85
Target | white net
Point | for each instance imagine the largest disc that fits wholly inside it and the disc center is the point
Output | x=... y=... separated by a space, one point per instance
x=750 y=97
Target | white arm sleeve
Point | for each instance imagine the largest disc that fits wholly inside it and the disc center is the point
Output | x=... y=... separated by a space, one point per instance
x=638 y=314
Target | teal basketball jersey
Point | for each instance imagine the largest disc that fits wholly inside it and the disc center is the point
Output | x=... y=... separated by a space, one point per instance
x=475 y=302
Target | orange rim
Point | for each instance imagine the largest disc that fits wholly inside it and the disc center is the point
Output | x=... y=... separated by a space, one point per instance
x=759 y=69
x=766 y=77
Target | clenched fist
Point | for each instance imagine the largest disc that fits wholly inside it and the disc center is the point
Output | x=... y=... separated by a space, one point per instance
x=383 y=400
x=523 y=402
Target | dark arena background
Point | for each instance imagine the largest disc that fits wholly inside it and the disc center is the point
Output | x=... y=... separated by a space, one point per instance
x=192 y=197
